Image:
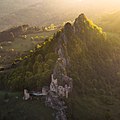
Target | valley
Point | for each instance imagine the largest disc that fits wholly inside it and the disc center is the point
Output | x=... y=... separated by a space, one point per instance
x=23 y=44
x=59 y=60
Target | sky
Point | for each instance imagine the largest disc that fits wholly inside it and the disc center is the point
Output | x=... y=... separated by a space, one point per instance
x=104 y=2
x=107 y=5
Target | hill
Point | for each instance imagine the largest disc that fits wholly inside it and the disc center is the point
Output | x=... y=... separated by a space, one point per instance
x=82 y=51
x=110 y=22
x=18 y=41
x=18 y=109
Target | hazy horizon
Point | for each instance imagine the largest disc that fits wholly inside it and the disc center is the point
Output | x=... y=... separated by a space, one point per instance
x=18 y=12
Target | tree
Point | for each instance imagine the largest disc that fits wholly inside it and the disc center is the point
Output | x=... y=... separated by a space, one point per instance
x=35 y=67
x=39 y=58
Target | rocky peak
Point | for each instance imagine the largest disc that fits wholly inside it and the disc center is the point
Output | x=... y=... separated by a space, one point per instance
x=68 y=29
x=81 y=18
x=68 y=26
x=80 y=24
x=84 y=27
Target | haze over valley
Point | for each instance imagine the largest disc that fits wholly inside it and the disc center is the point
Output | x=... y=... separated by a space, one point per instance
x=37 y=12
x=59 y=60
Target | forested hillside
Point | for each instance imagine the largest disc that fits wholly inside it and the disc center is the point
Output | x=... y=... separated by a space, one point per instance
x=93 y=62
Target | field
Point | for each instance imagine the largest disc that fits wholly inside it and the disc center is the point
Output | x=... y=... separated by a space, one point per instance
x=14 y=49
x=21 y=44
x=17 y=109
x=97 y=107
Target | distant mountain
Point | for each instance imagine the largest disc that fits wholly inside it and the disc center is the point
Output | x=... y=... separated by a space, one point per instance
x=10 y=34
x=10 y=6
x=45 y=12
x=81 y=51
x=111 y=22
x=40 y=13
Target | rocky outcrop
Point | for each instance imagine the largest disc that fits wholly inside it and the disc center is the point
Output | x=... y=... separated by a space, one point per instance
x=53 y=101
x=61 y=84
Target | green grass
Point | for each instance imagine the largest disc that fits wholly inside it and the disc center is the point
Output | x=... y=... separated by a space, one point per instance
x=22 y=45
x=17 y=109
x=45 y=34
x=95 y=108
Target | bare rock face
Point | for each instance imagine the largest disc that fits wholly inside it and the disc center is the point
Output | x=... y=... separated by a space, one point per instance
x=68 y=29
x=60 y=69
x=61 y=83
x=81 y=26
